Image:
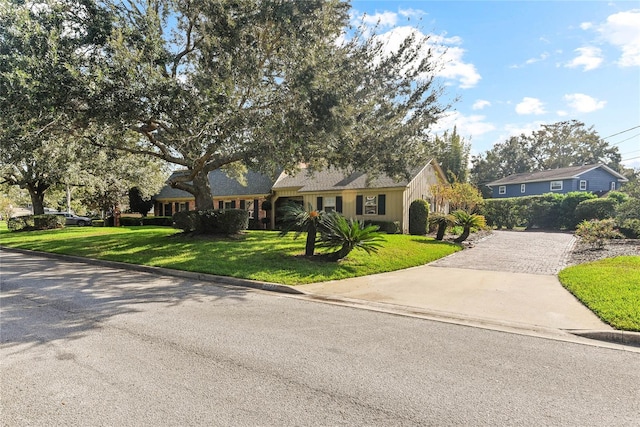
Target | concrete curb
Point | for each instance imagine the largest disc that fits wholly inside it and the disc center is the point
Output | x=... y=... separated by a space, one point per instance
x=618 y=337
x=225 y=280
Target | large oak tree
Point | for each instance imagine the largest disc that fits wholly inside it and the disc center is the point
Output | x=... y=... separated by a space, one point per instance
x=262 y=84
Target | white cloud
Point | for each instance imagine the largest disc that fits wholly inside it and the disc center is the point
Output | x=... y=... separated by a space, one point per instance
x=562 y=113
x=586 y=25
x=384 y=19
x=467 y=126
x=444 y=49
x=589 y=57
x=530 y=61
x=583 y=103
x=480 y=104
x=622 y=30
x=412 y=13
x=530 y=106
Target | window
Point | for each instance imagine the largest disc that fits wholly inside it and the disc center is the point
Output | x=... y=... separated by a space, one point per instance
x=523 y=188
x=248 y=206
x=556 y=185
x=583 y=185
x=613 y=186
x=182 y=207
x=329 y=204
x=371 y=205
x=230 y=205
x=502 y=189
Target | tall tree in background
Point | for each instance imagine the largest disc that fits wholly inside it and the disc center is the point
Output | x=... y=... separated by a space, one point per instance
x=43 y=47
x=562 y=144
x=264 y=85
x=452 y=152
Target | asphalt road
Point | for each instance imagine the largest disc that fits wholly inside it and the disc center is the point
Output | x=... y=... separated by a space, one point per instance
x=83 y=345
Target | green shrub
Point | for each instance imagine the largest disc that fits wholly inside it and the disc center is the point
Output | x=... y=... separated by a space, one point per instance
x=630 y=228
x=596 y=209
x=216 y=221
x=618 y=196
x=35 y=222
x=389 y=227
x=129 y=221
x=628 y=210
x=418 y=217
x=596 y=231
x=98 y=222
x=161 y=221
x=567 y=214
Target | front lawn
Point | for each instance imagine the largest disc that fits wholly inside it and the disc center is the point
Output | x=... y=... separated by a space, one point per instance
x=610 y=288
x=258 y=255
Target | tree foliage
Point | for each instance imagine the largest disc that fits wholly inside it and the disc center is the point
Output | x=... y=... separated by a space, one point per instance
x=264 y=84
x=43 y=47
x=452 y=152
x=558 y=145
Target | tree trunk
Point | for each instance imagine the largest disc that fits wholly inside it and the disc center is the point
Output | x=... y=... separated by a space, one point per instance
x=37 y=200
x=310 y=248
x=465 y=233
x=441 y=230
x=202 y=191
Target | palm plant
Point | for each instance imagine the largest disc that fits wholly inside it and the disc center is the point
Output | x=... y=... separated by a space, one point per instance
x=296 y=218
x=441 y=221
x=467 y=221
x=337 y=232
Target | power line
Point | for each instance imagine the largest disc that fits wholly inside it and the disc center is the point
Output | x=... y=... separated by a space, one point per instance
x=630 y=158
x=620 y=142
x=629 y=152
x=626 y=130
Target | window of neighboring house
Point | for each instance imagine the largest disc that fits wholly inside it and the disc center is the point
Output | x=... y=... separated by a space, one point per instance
x=230 y=205
x=182 y=207
x=583 y=185
x=556 y=185
x=329 y=204
x=613 y=186
x=523 y=188
x=371 y=205
x=502 y=189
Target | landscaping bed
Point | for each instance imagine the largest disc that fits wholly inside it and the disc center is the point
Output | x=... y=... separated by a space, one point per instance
x=583 y=252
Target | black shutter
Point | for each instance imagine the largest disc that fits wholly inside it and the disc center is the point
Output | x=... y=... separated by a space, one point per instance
x=233 y=204
x=358 y=205
x=381 y=204
x=177 y=208
x=220 y=204
x=319 y=203
x=243 y=205
x=339 y=204
x=256 y=209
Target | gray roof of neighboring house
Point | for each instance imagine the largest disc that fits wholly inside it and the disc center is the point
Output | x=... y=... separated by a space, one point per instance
x=223 y=186
x=332 y=179
x=554 y=174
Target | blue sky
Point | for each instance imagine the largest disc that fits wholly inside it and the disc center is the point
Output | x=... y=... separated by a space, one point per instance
x=517 y=64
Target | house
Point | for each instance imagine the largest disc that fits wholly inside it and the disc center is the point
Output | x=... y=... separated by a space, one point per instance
x=358 y=195
x=592 y=178
x=227 y=193
x=355 y=195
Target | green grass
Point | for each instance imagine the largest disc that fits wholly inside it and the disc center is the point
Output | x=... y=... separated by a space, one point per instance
x=610 y=288
x=258 y=255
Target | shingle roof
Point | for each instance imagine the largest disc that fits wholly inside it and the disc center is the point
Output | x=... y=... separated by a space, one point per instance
x=223 y=186
x=334 y=179
x=554 y=174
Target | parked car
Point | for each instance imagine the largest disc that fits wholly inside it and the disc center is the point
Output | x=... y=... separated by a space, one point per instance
x=73 y=219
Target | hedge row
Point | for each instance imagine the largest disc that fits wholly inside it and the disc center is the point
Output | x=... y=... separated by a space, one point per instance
x=35 y=222
x=389 y=227
x=129 y=221
x=216 y=221
x=556 y=211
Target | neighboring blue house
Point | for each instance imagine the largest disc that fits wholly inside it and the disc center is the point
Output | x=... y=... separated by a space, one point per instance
x=592 y=178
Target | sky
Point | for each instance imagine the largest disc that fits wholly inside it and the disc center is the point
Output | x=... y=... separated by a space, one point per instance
x=514 y=65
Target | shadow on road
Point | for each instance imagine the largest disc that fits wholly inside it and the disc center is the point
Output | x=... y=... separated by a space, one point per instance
x=43 y=300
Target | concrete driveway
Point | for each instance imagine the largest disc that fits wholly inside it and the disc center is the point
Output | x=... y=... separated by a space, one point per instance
x=508 y=279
